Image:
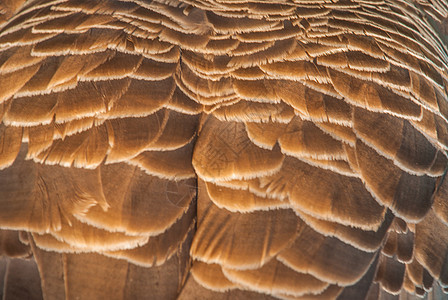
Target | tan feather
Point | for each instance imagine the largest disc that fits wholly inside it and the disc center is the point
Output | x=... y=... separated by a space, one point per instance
x=276 y=278
x=10 y=141
x=128 y=137
x=351 y=206
x=131 y=194
x=326 y=258
x=180 y=102
x=10 y=83
x=394 y=192
x=368 y=241
x=236 y=200
x=211 y=276
x=39 y=207
x=194 y=289
x=425 y=240
x=250 y=249
x=232 y=155
x=142 y=98
x=373 y=97
x=18 y=58
x=157 y=250
x=175 y=164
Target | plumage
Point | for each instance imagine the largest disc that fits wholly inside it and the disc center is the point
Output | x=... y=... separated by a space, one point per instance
x=227 y=235
x=211 y=276
x=21 y=279
x=276 y=278
x=10 y=144
x=297 y=181
x=14 y=81
x=217 y=149
x=368 y=241
x=175 y=164
x=390 y=274
x=342 y=265
x=231 y=155
x=407 y=195
x=409 y=149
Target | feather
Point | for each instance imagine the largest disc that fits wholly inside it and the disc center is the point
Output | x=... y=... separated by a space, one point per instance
x=142 y=98
x=315 y=130
x=225 y=152
x=241 y=200
x=179 y=130
x=128 y=137
x=339 y=198
x=12 y=246
x=361 y=288
x=22 y=280
x=18 y=58
x=304 y=139
x=117 y=67
x=390 y=274
x=86 y=149
x=194 y=289
x=373 y=97
x=158 y=249
x=211 y=276
x=408 y=196
x=229 y=238
x=175 y=164
x=431 y=247
x=131 y=194
x=276 y=278
x=39 y=207
x=326 y=258
x=254 y=112
x=10 y=142
x=368 y=241
x=154 y=70
x=180 y=102
x=12 y=82
x=407 y=147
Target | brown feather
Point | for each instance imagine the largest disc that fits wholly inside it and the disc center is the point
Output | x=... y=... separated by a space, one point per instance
x=131 y=194
x=10 y=142
x=160 y=248
x=128 y=137
x=12 y=246
x=390 y=274
x=397 y=140
x=408 y=196
x=10 y=83
x=175 y=164
x=326 y=258
x=22 y=280
x=368 y=241
x=225 y=152
x=373 y=97
x=339 y=198
x=231 y=240
x=431 y=246
x=211 y=276
x=276 y=278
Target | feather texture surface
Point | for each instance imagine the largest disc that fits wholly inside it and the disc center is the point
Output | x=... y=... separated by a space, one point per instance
x=216 y=149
